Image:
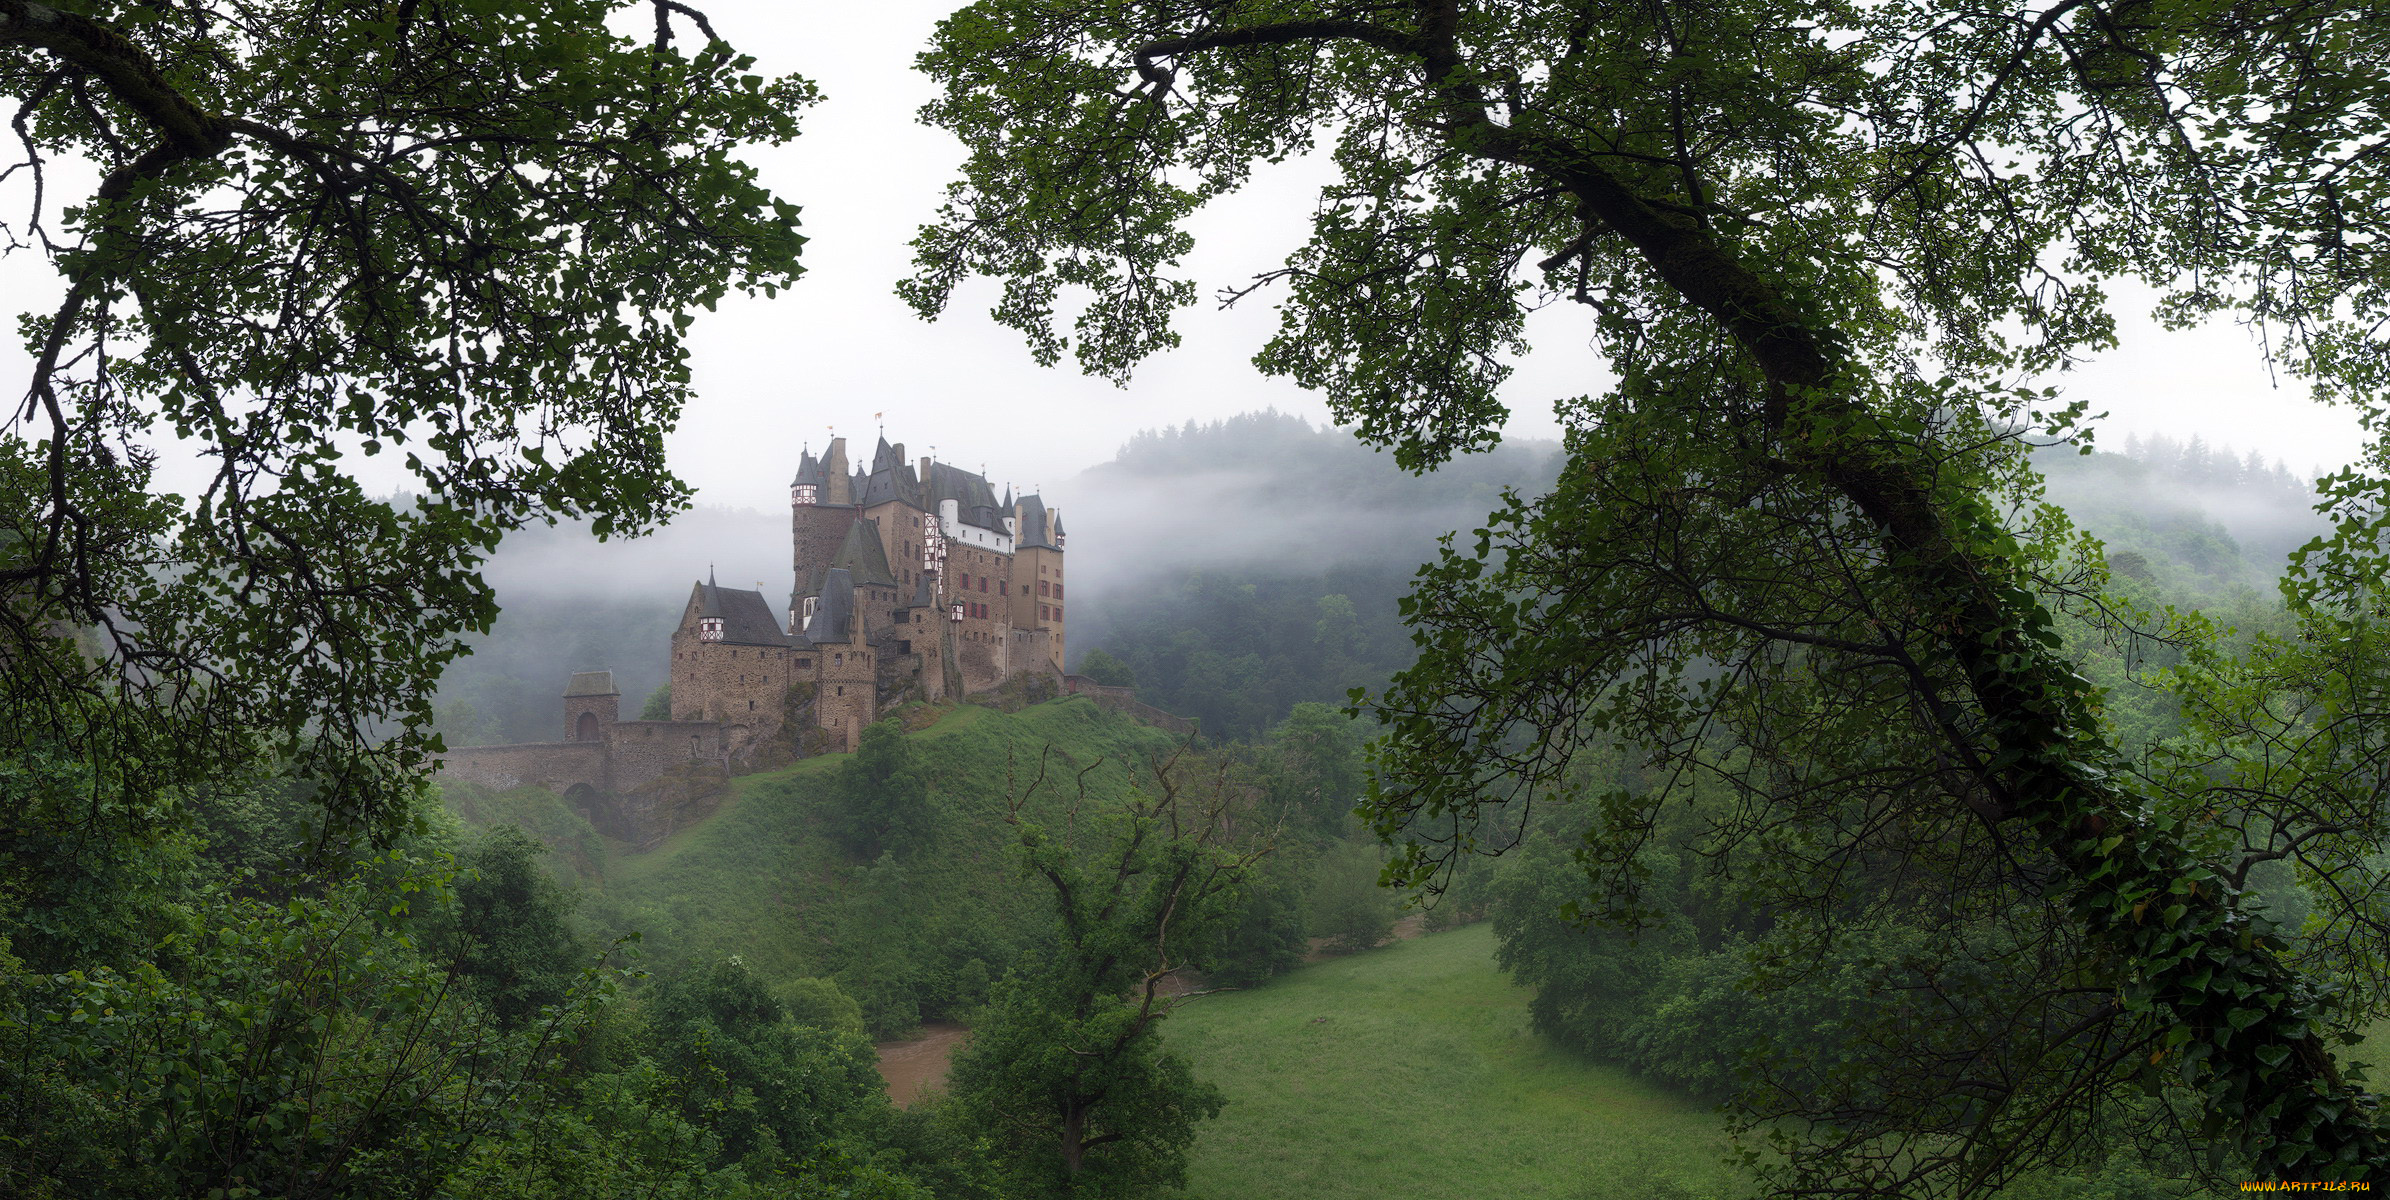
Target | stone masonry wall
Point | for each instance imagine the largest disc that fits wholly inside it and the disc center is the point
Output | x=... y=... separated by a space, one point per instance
x=848 y=695
x=818 y=531
x=556 y=766
x=1028 y=651
x=643 y=750
x=607 y=709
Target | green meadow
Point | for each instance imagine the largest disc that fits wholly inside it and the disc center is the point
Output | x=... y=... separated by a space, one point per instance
x=1412 y=1071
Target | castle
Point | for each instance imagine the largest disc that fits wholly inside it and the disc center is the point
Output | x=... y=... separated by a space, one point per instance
x=912 y=582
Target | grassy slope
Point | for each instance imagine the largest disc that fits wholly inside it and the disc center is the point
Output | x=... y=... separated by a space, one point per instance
x=758 y=880
x=1412 y=1071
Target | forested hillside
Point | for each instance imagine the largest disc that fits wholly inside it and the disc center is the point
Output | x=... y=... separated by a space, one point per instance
x=2205 y=522
x=1247 y=565
x=1234 y=569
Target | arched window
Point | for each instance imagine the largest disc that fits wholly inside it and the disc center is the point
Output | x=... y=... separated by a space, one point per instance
x=587 y=729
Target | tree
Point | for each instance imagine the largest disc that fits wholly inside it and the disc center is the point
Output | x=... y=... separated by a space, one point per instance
x=880 y=798
x=508 y=933
x=1100 y=666
x=766 y=1085
x=1795 y=546
x=659 y=704
x=1065 y=1073
x=472 y=247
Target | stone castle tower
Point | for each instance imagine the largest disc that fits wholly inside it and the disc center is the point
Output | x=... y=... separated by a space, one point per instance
x=911 y=581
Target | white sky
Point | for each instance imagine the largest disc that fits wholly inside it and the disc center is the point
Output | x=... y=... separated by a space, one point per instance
x=839 y=346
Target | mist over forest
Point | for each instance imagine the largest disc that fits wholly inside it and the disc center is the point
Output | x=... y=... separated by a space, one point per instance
x=1239 y=567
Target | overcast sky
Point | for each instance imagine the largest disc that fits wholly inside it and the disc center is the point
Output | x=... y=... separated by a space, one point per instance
x=775 y=375
x=840 y=346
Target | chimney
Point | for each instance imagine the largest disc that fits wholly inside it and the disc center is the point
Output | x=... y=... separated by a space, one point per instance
x=838 y=484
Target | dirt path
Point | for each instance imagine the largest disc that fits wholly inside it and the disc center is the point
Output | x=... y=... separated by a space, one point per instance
x=917 y=1066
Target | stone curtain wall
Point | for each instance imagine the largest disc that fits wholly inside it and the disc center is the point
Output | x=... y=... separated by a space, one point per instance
x=633 y=754
x=643 y=750
x=1124 y=700
x=1029 y=651
x=556 y=766
x=848 y=698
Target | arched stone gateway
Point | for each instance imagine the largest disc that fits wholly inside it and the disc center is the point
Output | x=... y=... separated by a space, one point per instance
x=587 y=801
x=587 y=728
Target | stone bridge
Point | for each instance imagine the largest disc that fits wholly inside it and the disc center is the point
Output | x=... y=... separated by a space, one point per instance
x=634 y=780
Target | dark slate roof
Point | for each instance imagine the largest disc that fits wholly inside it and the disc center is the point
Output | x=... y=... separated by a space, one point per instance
x=1037 y=527
x=890 y=479
x=809 y=470
x=863 y=557
x=747 y=619
x=591 y=683
x=834 y=612
x=709 y=604
x=967 y=490
x=923 y=595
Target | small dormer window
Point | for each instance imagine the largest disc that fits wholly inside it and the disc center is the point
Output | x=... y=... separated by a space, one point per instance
x=802 y=493
x=1058 y=541
x=709 y=629
x=809 y=602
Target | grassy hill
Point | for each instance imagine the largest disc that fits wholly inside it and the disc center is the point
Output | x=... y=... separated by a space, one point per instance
x=762 y=879
x=1412 y=1071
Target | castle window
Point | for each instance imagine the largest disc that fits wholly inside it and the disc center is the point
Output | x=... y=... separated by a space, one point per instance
x=842 y=689
x=750 y=706
x=1004 y=587
x=1043 y=613
x=983 y=583
x=1044 y=588
x=804 y=664
x=709 y=629
x=838 y=660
